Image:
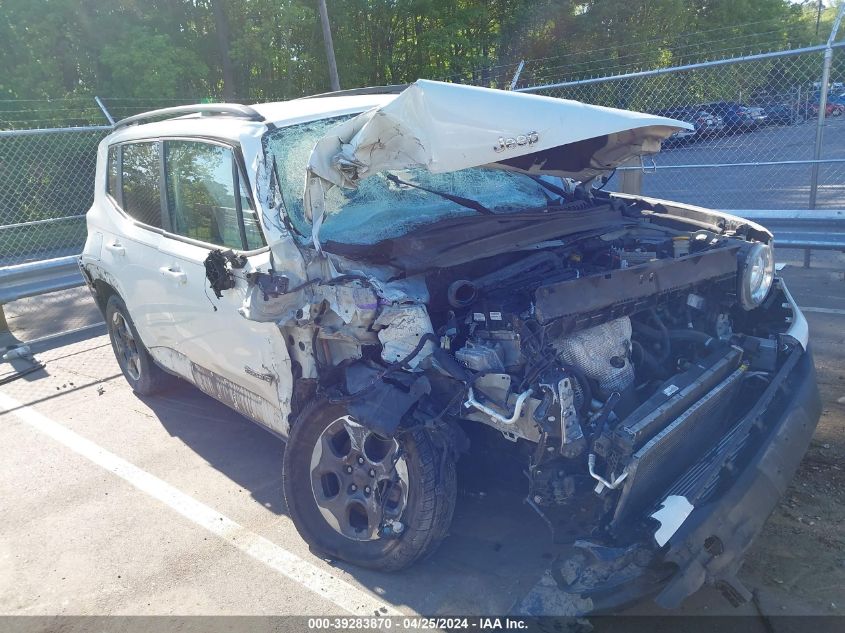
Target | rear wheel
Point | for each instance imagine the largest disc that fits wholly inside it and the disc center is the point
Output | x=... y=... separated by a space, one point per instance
x=138 y=367
x=373 y=501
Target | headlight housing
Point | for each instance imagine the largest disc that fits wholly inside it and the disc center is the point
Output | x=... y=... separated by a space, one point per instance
x=756 y=275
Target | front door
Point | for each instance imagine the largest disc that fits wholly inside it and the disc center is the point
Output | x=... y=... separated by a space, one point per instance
x=243 y=363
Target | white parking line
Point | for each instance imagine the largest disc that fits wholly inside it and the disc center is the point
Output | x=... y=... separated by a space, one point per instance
x=324 y=584
x=839 y=311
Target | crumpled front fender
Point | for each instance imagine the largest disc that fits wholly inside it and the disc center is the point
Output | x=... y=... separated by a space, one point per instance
x=381 y=402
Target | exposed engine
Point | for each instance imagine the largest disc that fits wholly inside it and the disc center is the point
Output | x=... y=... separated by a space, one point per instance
x=590 y=359
x=608 y=358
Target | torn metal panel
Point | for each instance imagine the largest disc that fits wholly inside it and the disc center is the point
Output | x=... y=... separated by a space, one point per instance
x=402 y=327
x=348 y=300
x=378 y=405
x=351 y=301
x=300 y=340
x=507 y=130
x=410 y=289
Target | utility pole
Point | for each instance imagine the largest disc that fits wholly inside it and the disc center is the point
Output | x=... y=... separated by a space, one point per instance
x=818 y=17
x=327 y=40
x=221 y=25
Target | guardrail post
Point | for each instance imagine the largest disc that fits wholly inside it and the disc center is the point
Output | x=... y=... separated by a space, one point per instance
x=631 y=180
x=7 y=339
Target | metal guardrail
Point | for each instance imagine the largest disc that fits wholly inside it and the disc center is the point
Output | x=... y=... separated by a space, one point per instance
x=815 y=230
x=822 y=230
x=36 y=278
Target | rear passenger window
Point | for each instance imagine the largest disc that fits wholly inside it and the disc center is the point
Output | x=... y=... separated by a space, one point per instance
x=141 y=192
x=111 y=172
x=200 y=179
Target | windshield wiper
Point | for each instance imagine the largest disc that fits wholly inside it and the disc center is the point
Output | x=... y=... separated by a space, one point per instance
x=553 y=188
x=464 y=202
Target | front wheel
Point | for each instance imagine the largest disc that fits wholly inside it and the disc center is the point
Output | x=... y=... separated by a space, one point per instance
x=373 y=501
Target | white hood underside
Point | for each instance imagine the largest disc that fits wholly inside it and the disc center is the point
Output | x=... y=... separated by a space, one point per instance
x=446 y=127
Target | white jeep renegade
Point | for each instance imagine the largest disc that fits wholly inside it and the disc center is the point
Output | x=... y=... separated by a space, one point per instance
x=396 y=281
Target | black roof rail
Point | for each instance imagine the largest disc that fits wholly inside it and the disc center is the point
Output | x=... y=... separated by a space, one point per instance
x=221 y=109
x=373 y=90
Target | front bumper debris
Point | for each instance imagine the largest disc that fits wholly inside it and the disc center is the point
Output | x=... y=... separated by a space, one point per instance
x=707 y=547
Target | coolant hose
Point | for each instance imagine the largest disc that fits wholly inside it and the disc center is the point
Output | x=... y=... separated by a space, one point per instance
x=690 y=336
x=660 y=334
x=693 y=336
x=647 y=359
x=666 y=345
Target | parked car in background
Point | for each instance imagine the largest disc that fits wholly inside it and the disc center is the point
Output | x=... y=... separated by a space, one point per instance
x=681 y=136
x=810 y=109
x=779 y=113
x=737 y=117
x=706 y=123
x=757 y=113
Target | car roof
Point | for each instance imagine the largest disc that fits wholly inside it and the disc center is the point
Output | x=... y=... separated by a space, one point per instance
x=230 y=128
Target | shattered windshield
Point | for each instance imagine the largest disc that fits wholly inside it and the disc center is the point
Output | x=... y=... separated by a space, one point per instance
x=379 y=208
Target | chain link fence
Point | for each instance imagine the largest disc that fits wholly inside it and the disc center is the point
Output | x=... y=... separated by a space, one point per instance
x=755 y=118
x=48 y=155
x=754 y=146
x=46 y=186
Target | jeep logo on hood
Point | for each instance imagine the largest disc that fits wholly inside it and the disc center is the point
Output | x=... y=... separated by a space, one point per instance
x=510 y=142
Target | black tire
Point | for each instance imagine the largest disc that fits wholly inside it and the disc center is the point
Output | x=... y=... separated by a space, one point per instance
x=141 y=372
x=427 y=513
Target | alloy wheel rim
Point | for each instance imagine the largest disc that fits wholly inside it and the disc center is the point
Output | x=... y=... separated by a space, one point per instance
x=359 y=480
x=127 y=346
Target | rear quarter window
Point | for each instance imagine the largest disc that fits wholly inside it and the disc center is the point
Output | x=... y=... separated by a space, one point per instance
x=112 y=180
x=140 y=180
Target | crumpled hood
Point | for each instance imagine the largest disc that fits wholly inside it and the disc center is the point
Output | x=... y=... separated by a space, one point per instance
x=446 y=127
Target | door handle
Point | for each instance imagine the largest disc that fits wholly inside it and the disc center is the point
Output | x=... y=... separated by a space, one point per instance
x=116 y=248
x=177 y=275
